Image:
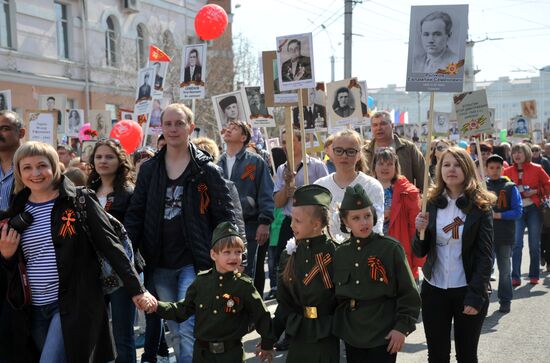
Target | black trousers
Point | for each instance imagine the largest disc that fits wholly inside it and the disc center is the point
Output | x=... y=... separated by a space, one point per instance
x=369 y=355
x=284 y=234
x=440 y=308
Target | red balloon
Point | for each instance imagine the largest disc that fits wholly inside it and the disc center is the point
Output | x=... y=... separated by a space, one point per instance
x=129 y=133
x=210 y=21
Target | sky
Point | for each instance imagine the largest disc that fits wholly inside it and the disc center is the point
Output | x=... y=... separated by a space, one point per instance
x=517 y=33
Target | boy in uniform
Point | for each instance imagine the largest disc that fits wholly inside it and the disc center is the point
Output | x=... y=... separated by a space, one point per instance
x=224 y=302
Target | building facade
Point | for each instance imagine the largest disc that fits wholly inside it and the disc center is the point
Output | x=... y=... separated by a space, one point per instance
x=90 y=50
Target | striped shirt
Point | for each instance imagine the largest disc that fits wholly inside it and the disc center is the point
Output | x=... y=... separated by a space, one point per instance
x=6 y=182
x=39 y=252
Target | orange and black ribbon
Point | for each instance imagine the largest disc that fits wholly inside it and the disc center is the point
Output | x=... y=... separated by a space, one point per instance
x=67 y=228
x=502 y=203
x=321 y=263
x=457 y=222
x=250 y=169
x=205 y=199
x=377 y=270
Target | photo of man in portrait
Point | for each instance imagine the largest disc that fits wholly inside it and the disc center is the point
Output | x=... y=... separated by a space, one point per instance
x=256 y=101
x=230 y=109
x=343 y=104
x=298 y=66
x=145 y=88
x=521 y=127
x=158 y=77
x=315 y=114
x=193 y=69
x=435 y=32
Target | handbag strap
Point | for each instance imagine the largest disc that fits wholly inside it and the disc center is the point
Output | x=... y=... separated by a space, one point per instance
x=80 y=206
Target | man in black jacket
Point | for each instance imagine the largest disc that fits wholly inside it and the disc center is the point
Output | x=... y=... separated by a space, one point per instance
x=180 y=197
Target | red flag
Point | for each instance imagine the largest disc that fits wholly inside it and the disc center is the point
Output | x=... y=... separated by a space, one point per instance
x=156 y=55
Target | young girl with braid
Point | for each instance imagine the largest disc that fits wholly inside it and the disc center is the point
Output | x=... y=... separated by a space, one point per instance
x=305 y=291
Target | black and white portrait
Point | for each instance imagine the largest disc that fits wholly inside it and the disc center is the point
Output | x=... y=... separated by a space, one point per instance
x=441 y=123
x=437 y=42
x=256 y=101
x=56 y=103
x=344 y=103
x=229 y=107
x=146 y=83
x=75 y=120
x=193 y=71
x=160 y=69
x=364 y=98
x=100 y=120
x=87 y=149
x=193 y=66
x=295 y=57
x=315 y=112
x=5 y=100
x=520 y=126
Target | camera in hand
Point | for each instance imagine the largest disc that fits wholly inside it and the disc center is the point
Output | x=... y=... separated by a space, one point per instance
x=19 y=222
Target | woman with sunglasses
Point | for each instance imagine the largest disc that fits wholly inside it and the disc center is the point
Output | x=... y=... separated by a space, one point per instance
x=351 y=167
x=458 y=246
x=439 y=146
x=112 y=178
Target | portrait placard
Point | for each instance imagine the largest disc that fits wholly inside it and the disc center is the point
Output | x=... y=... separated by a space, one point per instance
x=274 y=142
x=56 y=103
x=529 y=108
x=41 y=126
x=441 y=123
x=519 y=127
x=160 y=68
x=229 y=107
x=437 y=42
x=75 y=120
x=364 y=98
x=126 y=115
x=154 y=124
x=5 y=100
x=256 y=108
x=100 y=121
x=87 y=149
x=343 y=103
x=145 y=84
x=295 y=59
x=315 y=111
x=193 y=72
x=454 y=132
x=472 y=113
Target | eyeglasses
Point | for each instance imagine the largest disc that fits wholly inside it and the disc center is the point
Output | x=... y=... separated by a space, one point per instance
x=339 y=151
x=105 y=140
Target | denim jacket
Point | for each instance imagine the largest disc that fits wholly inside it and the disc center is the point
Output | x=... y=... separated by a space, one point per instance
x=255 y=185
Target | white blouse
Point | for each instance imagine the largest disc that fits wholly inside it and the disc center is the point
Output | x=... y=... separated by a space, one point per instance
x=448 y=270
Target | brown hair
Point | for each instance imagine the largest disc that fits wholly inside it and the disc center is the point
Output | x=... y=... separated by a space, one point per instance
x=387 y=154
x=474 y=190
x=319 y=213
x=361 y=164
x=526 y=151
x=125 y=171
x=77 y=176
x=228 y=242
x=433 y=159
x=344 y=214
x=35 y=148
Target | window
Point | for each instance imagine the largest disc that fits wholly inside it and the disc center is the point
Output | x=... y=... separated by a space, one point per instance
x=62 y=27
x=5 y=25
x=141 y=46
x=110 y=43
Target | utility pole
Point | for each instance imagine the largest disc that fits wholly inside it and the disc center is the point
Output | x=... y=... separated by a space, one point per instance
x=348 y=16
x=332 y=68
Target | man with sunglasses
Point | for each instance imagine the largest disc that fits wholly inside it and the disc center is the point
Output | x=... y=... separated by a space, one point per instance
x=410 y=158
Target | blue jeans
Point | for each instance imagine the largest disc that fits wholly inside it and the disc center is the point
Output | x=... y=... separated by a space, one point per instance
x=532 y=219
x=171 y=285
x=503 y=254
x=251 y=249
x=123 y=313
x=155 y=342
x=47 y=334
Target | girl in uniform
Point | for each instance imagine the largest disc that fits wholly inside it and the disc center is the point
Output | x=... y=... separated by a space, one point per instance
x=305 y=291
x=378 y=300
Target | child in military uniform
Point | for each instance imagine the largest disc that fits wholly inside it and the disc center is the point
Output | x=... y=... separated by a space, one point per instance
x=378 y=299
x=305 y=291
x=224 y=302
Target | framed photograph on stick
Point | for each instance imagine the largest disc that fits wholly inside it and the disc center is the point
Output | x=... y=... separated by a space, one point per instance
x=256 y=108
x=193 y=72
x=41 y=126
x=229 y=107
x=437 y=41
x=5 y=100
x=295 y=59
x=343 y=103
x=274 y=97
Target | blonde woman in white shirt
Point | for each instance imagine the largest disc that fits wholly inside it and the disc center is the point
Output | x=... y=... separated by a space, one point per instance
x=458 y=244
x=351 y=167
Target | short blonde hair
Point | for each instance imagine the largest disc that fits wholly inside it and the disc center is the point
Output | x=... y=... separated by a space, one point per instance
x=208 y=145
x=35 y=148
x=190 y=118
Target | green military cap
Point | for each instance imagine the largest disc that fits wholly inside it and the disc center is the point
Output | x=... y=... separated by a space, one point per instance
x=355 y=198
x=312 y=195
x=223 y=230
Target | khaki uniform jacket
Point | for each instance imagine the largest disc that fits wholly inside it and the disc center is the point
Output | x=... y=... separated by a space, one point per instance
x=411 y=160
x=224 y=305
x=373 y=271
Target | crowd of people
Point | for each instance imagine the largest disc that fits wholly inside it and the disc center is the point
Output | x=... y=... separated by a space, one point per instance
x=351 y=257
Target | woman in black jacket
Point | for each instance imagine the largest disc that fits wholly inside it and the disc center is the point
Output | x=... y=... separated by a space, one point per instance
x=67 y=319
x=112 y=179
x=458 y=243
